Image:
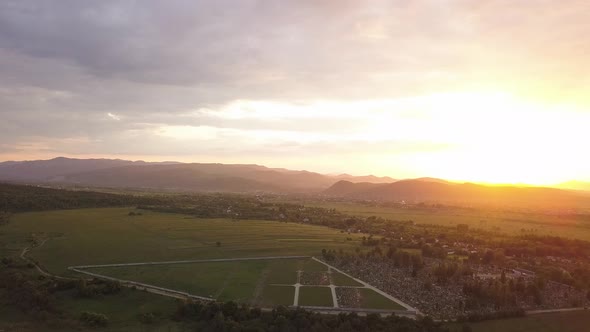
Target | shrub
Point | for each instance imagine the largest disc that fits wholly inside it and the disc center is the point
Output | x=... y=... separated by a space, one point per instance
x=149 y=317
x=94 y=319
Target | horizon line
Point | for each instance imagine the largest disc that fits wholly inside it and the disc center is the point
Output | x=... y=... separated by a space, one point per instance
x=559 y=185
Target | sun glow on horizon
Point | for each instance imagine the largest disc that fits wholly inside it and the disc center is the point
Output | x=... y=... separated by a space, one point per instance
x=496 y=138
x=484 y=137
x=481 y=137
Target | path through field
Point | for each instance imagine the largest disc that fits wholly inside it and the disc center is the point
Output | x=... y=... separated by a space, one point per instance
x=297 y=287
x=23 y=256
x=332 y=288
x=257 y=297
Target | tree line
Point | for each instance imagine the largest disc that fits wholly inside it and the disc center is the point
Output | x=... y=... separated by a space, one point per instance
x=230 y=316
x=21 y=198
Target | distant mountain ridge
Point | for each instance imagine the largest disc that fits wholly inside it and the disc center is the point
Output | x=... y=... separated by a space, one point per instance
x=436 y=190
x=45 y=170
x=215 y=177
x=366 y=178
x=170 y=175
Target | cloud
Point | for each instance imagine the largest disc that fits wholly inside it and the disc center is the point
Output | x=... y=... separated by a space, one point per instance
x=264 y=78
x=113 y=116
x=296 y=49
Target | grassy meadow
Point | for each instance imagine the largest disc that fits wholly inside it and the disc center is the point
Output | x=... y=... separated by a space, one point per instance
x=511 y=222
x=240 y=281
x=109 y=235
x=315 y=296
x=340 y=279
x=122 y=310
x=262 y=282
x=372 y=299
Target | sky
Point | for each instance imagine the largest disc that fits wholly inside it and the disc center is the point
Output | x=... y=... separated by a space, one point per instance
x=487 y=91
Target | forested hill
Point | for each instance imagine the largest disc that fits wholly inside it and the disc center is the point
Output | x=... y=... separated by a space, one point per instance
x=419 y=190
x=19 y=198
x=194 y=177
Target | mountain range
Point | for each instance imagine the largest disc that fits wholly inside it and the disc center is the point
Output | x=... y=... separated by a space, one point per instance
x=213 y=177
x=172 y=175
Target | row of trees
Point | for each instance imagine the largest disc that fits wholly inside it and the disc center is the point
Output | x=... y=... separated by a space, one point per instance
x=19 y=198
x=501 y=293
x=230 y=316
x=36 y=296
x=481 y=316
x=95 y=287
x=399 y=258
x=20 y=289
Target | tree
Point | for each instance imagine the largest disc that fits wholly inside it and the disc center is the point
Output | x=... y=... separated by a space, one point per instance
x=488 y=257
x=463 y=228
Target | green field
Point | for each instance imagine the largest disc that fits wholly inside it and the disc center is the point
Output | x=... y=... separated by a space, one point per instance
x=575 y=321
x=265 y=283
x=251 y=282
x=122 y=310
x=277 y=295
x=103 y=236
x=339 y=279
x=315 y=296
x=223 y=280
x=117 y=308
x=111 y=236
x=513 y=222
x=374 y=300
